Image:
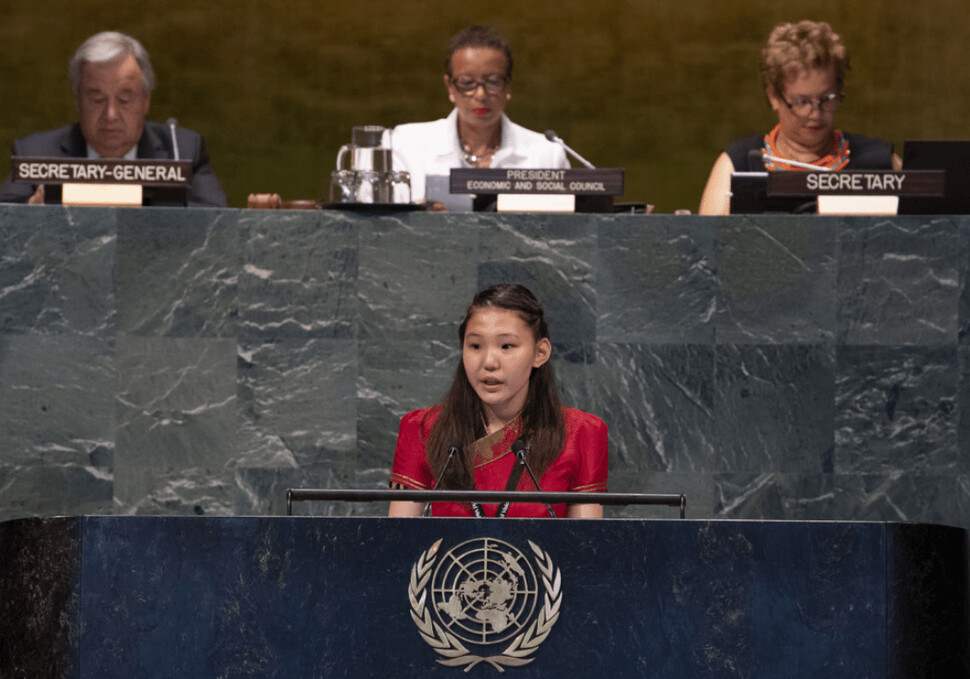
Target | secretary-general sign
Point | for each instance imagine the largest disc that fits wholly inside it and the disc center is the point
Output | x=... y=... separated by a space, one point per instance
x=101 y=171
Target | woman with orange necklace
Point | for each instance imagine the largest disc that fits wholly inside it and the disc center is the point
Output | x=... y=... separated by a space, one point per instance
x=803 y=66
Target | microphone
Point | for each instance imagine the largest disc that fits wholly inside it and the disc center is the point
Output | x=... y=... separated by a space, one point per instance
x=519 y=449
x=171 y=122
x=453 y=450
x=554 y=138
x=795 y=163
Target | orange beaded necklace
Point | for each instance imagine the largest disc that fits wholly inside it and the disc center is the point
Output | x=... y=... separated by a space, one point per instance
x=836 y=159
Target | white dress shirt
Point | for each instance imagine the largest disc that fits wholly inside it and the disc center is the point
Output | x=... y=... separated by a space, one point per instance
x=432 y=149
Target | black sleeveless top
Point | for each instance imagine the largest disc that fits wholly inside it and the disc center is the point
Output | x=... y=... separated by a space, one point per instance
x=865 y=153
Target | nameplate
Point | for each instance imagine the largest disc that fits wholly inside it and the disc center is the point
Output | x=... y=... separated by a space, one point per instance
x=857 y=183
x=577 y=181
x=101 y=171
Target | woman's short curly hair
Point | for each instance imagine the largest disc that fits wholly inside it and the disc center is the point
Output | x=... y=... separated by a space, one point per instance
x=794 y=48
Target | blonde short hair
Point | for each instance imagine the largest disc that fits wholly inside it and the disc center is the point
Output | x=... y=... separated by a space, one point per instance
x=794 y=48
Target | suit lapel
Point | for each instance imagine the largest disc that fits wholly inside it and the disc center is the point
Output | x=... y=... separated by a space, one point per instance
x=73 y=144
x=151 y=144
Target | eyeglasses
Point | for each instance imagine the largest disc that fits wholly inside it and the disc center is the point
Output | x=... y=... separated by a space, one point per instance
x=803 y=105
x=493 y=84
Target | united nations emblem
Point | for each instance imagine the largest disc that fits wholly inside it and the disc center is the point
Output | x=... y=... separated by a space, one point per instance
x=484 y=592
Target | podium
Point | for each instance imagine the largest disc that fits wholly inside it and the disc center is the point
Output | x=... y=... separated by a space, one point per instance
x=150 y=597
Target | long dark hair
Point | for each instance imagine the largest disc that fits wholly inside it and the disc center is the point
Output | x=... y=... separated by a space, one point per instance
x=461 y=414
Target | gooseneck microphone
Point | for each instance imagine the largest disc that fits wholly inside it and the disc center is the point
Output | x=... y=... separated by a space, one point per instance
x=757 y=155
x=171 y=122
x=453 y=449
x=804 y=166
x=554 y=138
x=519 y=449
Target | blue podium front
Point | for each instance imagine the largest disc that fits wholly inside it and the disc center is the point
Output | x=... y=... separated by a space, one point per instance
x=148 y=597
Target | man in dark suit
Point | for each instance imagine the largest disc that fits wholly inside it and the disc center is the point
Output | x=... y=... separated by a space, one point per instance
x=113 y=79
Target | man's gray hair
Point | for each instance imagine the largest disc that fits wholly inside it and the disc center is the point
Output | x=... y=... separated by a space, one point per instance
x=104 y=48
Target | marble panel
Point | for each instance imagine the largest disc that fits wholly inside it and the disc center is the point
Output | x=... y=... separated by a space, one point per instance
x=298 y=275
x=778 y=280
x=393 y=380
x=58 y=490
x=265 y=493
x=180 y=271
x=575 y=368
x=552 y=255
x=839 y=497
x=417 y=275
x=297 y=405
x=696 y=486
x=659 y=402
x=57 y=395
x=898 y=281
x=963 y=409
x=177 y=425
x=963 y=312
x=896 y=409
x=656 y=283
x=962 y=516
x=57 y=270
x=774 y=408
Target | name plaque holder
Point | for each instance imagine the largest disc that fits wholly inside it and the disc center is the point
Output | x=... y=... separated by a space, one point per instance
x=541 y=190
x=859 y=192
x=114 y=182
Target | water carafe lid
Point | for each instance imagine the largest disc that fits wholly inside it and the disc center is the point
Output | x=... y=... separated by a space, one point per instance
x=367 y=135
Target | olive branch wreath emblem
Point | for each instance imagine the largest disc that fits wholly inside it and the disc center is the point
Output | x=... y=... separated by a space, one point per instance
x=448 y=645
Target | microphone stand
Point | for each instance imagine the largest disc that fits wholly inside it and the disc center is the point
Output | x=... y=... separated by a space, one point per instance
x=554 y=138
x=453 y=449
x=171 y=122
x=519 y=448
x=520 y=454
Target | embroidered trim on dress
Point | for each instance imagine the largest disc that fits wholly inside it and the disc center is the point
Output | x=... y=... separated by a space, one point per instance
x=402 y=482
x=496 y=445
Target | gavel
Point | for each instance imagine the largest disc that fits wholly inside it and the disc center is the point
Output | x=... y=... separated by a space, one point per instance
x=272 y=201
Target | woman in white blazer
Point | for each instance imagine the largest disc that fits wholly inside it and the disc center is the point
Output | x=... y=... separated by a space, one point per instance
x=477 y=133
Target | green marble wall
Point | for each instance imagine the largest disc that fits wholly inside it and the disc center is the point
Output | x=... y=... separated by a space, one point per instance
x=655 y=87
x=202 y=361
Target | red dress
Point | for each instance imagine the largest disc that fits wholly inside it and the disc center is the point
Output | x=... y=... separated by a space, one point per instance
x=581 y=466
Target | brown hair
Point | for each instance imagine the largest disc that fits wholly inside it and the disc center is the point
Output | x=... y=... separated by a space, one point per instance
x=793 y=48
x=460 y=418
x=478 y=36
